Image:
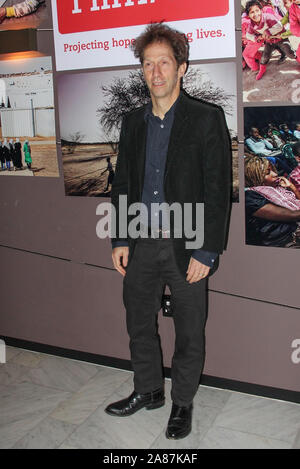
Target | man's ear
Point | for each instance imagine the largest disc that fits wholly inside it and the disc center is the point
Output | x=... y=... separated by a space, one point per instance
x=182 y=69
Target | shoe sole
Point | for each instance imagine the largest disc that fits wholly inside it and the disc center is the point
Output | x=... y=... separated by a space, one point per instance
x=180 y=436
x=156 y=405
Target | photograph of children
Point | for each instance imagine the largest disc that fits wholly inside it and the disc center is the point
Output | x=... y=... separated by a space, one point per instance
x=91 y=106
x=16 y=14
x=270 y=44
x=27 y=121
x=272 y=176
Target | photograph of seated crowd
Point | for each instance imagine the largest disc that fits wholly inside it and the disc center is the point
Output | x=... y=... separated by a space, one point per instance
x=272 y=177
x=271 y=50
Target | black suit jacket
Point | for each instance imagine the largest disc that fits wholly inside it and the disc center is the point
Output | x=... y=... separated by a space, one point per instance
x=198 y=170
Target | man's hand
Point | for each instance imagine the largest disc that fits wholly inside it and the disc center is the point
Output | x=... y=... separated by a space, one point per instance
x=266 y=35
x=118 y=254
x=196 y=271
x=283 y=182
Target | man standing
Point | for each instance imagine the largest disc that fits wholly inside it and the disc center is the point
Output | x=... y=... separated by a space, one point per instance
x=174 y=150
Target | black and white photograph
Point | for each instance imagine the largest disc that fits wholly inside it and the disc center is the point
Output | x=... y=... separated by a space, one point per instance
x=91 y=106
x=27 y=118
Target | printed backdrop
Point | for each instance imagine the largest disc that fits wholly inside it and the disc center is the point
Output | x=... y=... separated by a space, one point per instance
x=98 y=33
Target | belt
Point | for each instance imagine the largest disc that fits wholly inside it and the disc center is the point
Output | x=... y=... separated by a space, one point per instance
x=156 y=232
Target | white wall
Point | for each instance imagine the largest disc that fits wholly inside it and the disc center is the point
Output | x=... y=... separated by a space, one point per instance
x=19 y=122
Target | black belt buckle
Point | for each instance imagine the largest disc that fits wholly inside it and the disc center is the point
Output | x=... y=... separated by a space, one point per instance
x=166 y=305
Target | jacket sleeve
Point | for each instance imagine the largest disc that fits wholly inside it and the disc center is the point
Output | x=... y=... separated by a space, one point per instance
x=205 y=257
x=217 y=182
x=119 y=191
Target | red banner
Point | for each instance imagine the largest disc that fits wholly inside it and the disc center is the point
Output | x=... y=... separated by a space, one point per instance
x=75 y=16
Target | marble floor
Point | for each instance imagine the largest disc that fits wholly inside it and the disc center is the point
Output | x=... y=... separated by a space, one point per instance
x=52 y=402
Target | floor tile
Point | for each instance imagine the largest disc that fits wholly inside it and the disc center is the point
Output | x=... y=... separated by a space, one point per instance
x=296 y=444
x=212 y=397
x=225 y=438
x=11 y=373
x=104 y=431
x=26 y=358
x=90 y=396
x=11 y=352
x=61 y=373
x=64 y=446
x=23 y=406
x=101 y=431
x=53 y=402
x=49 y=434
x=265 y=417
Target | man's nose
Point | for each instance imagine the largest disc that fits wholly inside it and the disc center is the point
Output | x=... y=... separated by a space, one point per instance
x=156 y=70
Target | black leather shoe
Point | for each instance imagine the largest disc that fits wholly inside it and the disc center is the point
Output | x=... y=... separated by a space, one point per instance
x=180 y=422
x=135 y=402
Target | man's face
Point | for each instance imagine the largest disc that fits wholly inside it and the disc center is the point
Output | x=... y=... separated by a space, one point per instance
x=297 y=2
x=161 y=71
x=255 y=14
x=255 y=132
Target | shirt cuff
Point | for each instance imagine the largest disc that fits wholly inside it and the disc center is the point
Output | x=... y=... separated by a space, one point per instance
x=118 y=244
x=205 y=257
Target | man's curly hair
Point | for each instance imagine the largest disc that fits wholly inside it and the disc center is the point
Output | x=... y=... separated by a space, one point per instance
x=159 y=32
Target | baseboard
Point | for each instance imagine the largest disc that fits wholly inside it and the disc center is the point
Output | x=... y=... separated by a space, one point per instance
x=206 y=380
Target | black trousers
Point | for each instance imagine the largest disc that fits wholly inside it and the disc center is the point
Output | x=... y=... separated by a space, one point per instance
x=151 y=268
x=283 y=47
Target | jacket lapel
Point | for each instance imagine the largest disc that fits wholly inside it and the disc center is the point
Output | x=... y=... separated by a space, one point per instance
x=140 y=139
x=179 y=125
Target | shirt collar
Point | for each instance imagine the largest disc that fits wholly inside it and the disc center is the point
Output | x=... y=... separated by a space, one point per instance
x=170 y=113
